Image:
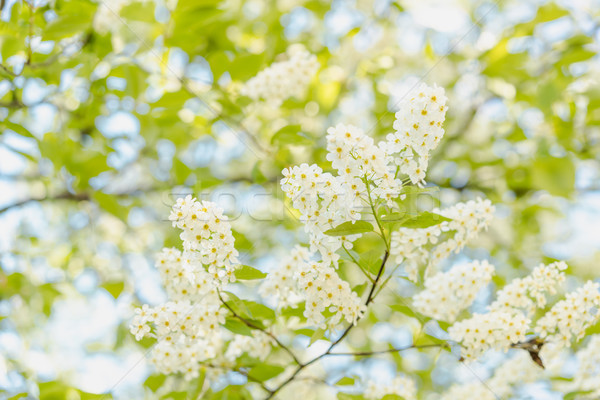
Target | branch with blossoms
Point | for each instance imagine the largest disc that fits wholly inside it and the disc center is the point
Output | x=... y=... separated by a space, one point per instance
x=251 y=325
x=365 y=194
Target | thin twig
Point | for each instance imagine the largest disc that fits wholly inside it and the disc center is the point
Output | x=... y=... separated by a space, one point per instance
x=332 y=346
x=355 y=261
x=61 y=196
x=394 y=350
x=251 y=325
x=7 y=70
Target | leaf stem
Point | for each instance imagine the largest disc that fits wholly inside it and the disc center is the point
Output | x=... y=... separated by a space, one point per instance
x=355 y=261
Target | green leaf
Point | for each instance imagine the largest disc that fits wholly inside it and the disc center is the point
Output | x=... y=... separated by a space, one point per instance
x=392 y=220
x=21 y=130
x=153 y=382
x=195 y=388
x=181 y=171
x=264 y=372
x=232 y=392
x=236 y=326
x=11 y=46
x=348 y=396
x=304 y=331
x=219 y=63
x=555 y=175
x=371 y=261
x=257 y=175
x=74 y=21
x=360 y=289
x=573 y=56
x=53 y=390
x=49 y=294
x=259 y=311
x=290 y=135
x=392 y=397
x=293 y=311
x=317 y=335
x=350 y=228
x=345 y=381
x=424 y=220
x=550 y=12
x=109 y=203
x=406 y=310
x=93 y=396
x=138 y=11
x=576 y=394
x=114 y=288
x=246 y=66
x=175 y=396
x=246 y=272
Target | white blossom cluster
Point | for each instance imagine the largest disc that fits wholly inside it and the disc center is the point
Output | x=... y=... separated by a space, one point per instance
x=257 y=347
x=529 y=293
x=328 y=299
x=206 y=233
x=326 y=291
x=282 y=283
x=186 y=333
x=516 y=370
x=419 y=130
x=401 y=385
x=569 y=318
x=355 y=156
x=515 y=305
x=368 y=173
x=447 y=294
x=107 y=17
x=493 y=330
x=324 y=201
x=181 y=276
x=410 y=246
x=283 y=79
x=587 y=377
x=188 y=327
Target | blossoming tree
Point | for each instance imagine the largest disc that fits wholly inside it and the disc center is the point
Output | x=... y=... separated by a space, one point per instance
x=205 y=328
x=299 y=200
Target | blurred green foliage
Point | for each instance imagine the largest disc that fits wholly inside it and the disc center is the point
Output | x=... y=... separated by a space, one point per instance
x=69 y=65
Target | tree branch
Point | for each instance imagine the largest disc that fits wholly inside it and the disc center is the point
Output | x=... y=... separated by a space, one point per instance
x=61 y=196
x=251 y=325
x=76 y=197
x=394 y=350
x=332 y=346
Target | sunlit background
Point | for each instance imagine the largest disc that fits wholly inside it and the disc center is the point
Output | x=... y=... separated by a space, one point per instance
x=100 y=136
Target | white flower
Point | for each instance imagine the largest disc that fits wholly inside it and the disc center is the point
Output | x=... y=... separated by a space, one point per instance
x=207 y=233
x=258 y=346
x=516 y=370
x=281 y=284
x=447 y=294
x=283 y=79
x=468 y=219
x=325 y=290
x=401 y=385
x=188 y=327
x=139 y=328
x=528 y=293
x=569 y=318
x=588 y=371
x=496 y=330
x=419 y=130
